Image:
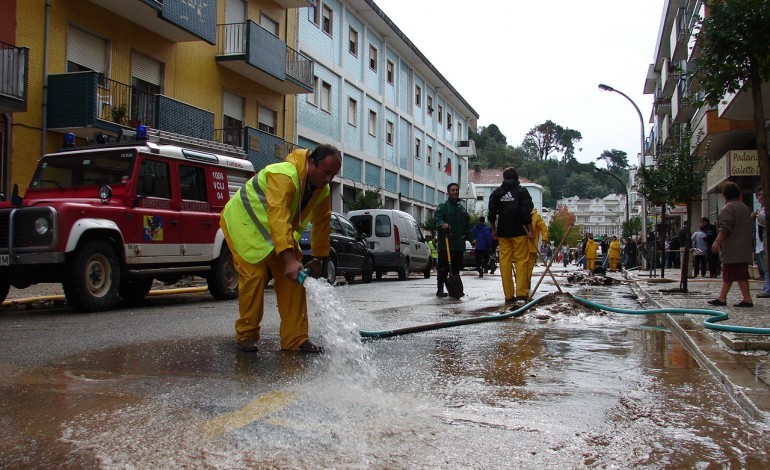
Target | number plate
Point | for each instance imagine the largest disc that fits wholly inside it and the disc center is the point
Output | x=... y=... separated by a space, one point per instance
x=5 y=260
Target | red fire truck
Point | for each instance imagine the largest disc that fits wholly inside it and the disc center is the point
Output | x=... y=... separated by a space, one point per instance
x=106 y=220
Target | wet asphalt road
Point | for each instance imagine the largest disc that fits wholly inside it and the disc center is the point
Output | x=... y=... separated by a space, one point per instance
x=162 y=386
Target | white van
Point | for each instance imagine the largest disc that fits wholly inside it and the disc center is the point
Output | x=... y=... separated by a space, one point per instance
x=395 y=239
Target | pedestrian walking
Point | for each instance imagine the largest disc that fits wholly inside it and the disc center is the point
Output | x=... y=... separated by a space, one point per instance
x=699 y=247
x=733 y=243
x=259 y=223
x=484 y=243
x=760 y=234
x=454 y=225
x=510 y=216
x=614 y=253
x=591 y=247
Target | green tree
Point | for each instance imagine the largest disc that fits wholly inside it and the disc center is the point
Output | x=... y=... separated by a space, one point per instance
x=734 y=44
x=366 y=200
x=675 y=180
x=549 y=138
x=616 y=161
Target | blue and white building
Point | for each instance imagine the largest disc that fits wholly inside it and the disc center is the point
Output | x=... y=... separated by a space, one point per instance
x=400 y=124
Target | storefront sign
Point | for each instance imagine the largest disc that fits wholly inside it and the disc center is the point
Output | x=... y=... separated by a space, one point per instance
x=733 y=163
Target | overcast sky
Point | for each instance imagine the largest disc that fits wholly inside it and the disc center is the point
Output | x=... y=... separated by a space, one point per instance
x=520 y=63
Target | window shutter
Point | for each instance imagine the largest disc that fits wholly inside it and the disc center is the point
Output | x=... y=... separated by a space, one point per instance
x=232 y=106
x=86 y=50
x=146 y=69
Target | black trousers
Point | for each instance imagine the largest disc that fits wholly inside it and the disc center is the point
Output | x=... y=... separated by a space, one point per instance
x=442 y=268
x=713 y=260
x=699 y=265
x=482 y=260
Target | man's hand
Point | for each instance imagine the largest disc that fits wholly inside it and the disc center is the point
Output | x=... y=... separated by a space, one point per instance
x=445 y=226
x=291 y=266
x=315 y=265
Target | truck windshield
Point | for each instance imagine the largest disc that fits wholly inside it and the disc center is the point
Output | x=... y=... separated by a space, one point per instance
x=65 y=171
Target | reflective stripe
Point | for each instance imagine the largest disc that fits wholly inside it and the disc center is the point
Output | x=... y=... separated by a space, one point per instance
x=250 y=210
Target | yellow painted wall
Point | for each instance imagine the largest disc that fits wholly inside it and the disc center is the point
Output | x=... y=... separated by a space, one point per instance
x=191 y=73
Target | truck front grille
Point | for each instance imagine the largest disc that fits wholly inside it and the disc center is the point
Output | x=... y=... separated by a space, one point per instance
x=17 y=229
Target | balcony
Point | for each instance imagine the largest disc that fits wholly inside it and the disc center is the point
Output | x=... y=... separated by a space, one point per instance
x=177 y=21
x=264 y=148
x=14 y=73
x=250 y=50
x=713 y=136
x=680 y=36
x=289 y=4
x=466 y=148
x=87 y=102
x=670 y=75
x=683 y=103
x=740 y=105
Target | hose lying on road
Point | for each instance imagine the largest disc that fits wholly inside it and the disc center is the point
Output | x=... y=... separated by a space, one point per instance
x=715 y=316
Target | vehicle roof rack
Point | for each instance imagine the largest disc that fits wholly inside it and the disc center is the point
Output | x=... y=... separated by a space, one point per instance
x=170 y=138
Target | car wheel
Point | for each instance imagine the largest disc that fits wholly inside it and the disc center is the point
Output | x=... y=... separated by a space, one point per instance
x=331 y=271
x=403 y=270
x=5 y=287
x=134 y=290
x=93 y=278
x=222 y=280
x=366 y=272
x=426 y=272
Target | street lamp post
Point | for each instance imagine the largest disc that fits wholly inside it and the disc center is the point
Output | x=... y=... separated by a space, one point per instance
x=641 y=121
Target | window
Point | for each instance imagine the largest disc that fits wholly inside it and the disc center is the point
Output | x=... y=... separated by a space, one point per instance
x=266 y=120
x=326 y=97
x=429 y=154
x=448 y=121
x=459 y=130
x=389 y=132
x=418 y=95
x=430 y=106
x=232 y=120
x=312 y=14
x=372 y=123
x=192 y=181
x=438 y=161
x=390 y=72
x=231 y=134
x=269 y=24
x=326 y=24
x=417 y=148
x=440 y=114
x=154 y=180
x=353 y=42
x=146 y=81
x=312 y=97
x=352 y=112
x=373 y=58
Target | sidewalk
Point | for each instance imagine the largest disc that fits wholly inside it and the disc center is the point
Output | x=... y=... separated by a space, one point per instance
x=741 y=362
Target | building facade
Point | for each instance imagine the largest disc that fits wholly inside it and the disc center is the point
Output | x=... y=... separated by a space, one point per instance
x=722 y=136
x=222 y=74
x=485 y=180
x=401 y=126
x=600 y=216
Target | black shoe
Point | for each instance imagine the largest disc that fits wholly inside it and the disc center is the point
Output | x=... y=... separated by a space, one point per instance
x=248 y=345
x=310 y=348
x=441 y=293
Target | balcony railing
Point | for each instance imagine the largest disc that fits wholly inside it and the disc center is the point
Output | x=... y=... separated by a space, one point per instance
x=256 y=53
x=14 y=64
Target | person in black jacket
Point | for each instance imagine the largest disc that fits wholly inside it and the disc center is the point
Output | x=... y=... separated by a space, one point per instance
x=454 y=224
x=510 y=217
x=711 y=235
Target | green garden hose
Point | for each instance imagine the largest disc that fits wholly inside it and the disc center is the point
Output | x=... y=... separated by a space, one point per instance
x=715 y=316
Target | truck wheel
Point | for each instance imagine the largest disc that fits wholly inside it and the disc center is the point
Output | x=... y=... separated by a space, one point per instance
x=223 y=278
x=93 y=278
x=134 y=290
x=5 y=287
x=330 y=273
x=366 y=273
x=403 y=270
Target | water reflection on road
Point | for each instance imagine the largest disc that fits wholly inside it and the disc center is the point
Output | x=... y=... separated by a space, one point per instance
x=556 y=388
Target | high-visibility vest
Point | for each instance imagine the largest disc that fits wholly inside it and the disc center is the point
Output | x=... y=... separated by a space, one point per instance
x=246 y=213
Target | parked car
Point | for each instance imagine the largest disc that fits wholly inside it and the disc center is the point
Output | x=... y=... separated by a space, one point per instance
x=396 y=241
x=469 y=257
x=349 y=256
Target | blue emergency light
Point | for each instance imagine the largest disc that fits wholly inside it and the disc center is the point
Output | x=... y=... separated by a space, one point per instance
x=69 y=139
x=141 y=132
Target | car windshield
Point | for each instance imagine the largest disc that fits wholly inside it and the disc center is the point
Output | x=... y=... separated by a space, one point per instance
x=64 y=171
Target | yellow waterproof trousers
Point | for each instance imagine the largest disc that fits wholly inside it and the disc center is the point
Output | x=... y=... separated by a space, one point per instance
x=590 y=263
x=614 y=264
x=531 y=259
x=292 y=303
x=514 y=252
